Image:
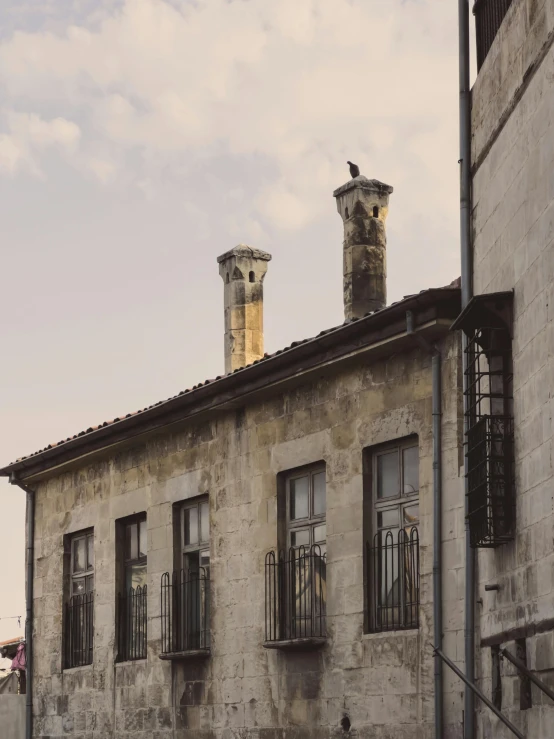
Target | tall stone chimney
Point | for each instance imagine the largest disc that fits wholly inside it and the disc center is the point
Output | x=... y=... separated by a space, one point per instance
x=363 y=205
x=243 y=270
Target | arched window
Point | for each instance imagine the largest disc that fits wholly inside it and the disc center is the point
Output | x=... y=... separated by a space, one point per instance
x=376 y=211
x=252 y=277
x=227 y=278
x=346 y=212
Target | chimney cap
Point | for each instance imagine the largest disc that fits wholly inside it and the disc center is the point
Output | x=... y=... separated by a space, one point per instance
x=242 y=250
x=363 y=183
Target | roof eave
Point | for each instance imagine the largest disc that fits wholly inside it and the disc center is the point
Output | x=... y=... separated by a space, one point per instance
x=235 y=385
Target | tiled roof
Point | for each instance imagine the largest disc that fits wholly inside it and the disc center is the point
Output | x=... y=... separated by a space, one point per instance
x=291 y=347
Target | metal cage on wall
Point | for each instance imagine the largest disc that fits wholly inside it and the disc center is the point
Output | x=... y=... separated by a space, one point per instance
x=487 y=322
x=185 y=611
x=295 y=594
x=489 y=15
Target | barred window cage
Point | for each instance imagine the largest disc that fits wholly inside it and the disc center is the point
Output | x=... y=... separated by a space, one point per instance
x=185 y=611
x=487 y=321
x=132 y=620
x=392 y=569
x=79 y=630
x=489 y=15
x=295 y=594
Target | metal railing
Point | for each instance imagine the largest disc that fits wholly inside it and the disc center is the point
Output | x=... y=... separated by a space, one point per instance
x=490 y=465
x=295 y=594
x=489 y=15
x=185 y=611
x=79 y=630
x=478 y=693
x=132 y=619
x=392 y=569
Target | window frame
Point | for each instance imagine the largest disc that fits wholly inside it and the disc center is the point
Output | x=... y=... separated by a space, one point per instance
x=398 y=502
x=78 y=616
x=125 y=562
x=379 y=545
x=201 y=546
x=87 y=573
x=312 y=520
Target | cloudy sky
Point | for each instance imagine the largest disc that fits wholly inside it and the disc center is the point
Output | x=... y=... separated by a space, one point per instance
x=140 y=139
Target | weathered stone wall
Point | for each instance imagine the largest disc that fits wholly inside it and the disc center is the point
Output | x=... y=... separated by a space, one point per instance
x=12 y=716
x=513 y=199
x=383 y=682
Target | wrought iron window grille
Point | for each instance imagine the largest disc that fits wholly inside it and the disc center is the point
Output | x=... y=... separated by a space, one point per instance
x=79 y=630
x=392 y=569
x=132 y=624
x=185 y=612
x=295 y=594
x=487 y=321
x=489 y=15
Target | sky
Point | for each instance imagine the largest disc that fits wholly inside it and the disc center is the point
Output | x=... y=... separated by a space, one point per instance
x=140 y=139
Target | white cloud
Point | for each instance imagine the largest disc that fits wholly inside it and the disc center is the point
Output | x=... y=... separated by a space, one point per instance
x=27 y=135
x=306 y=84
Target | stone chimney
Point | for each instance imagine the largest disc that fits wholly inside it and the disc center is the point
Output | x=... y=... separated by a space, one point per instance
x=243 y=270
x=363 y=205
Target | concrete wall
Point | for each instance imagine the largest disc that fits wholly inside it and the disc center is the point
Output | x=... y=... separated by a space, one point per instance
x=383 y=682
x=513 y=222
x=12 y=716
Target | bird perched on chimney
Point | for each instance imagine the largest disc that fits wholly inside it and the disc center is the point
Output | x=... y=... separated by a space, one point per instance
x=354 y=169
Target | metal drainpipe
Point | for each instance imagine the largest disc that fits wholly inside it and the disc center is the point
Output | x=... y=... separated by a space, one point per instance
x=436 y=365
x=30 y=558
x=467 y=291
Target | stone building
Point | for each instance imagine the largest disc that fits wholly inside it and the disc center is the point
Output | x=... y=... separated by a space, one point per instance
x=510 y=362
x=254 y=558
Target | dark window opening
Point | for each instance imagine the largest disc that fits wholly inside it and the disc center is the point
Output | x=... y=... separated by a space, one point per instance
x=252 y=277
x=346 y=213
x=295 y=576
x=186 y=591
x=79 y=607
x=227 y=278
x=375 y=211
x=525 y=696
x=496 y=679
x=132 y=597
x=391 y=521
x=486 y=322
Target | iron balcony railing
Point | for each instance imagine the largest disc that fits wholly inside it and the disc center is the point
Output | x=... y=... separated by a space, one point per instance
x=490 y=463
x=295 y=594
x=489 y=15
x=392 y=569
x=79 y=630
x=185 y=611
x=132 y=618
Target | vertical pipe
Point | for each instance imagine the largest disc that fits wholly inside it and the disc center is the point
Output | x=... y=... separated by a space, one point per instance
x=437 y=537
x=467 y=291
x=29 y=582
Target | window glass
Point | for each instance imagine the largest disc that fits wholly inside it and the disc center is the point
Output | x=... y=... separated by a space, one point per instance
x=80 y=555
x=135 y=576
x=300 y=538
x=131 y=545
x=410 y=515
x=387 y=475
x=90 y=547
x=387 y=518
x=299 y=497
x=320 y=533
x=411 y=470
x=142 y=539
x=319 y=493
x=205 y=521
x=191 y=526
